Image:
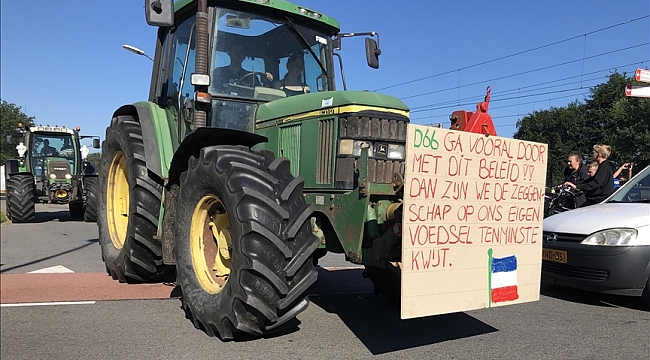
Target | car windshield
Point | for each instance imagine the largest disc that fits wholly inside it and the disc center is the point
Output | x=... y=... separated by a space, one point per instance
x=635 y=190
x=263 y=58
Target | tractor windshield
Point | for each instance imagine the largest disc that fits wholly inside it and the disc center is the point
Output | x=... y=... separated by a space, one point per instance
x=52 y=145
x=263 y=58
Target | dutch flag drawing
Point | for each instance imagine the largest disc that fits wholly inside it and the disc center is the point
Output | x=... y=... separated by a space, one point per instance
x=502 y=278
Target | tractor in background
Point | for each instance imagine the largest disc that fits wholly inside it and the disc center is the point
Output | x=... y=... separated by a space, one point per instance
x=50 y=168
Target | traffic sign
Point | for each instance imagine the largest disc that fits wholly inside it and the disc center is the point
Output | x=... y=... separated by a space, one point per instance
x=637 y=91
x=642 y=75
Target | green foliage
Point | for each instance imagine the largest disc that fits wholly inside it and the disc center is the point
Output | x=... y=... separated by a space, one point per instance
x=10 y=116
x=607 y=117
x=3 y=218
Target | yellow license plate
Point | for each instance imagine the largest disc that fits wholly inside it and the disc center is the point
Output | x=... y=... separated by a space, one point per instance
x=554 y=255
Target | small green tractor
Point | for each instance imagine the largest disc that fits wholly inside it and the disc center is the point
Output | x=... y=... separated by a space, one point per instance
x=50 y=169
x=244 y=167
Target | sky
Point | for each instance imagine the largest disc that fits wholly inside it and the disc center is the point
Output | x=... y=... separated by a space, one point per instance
x=63 y=63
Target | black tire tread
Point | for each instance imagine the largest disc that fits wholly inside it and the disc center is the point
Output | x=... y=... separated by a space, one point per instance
x=260 y=296
x=20 y=198
x=140 y=259
x=387 y=281
x=90 y=209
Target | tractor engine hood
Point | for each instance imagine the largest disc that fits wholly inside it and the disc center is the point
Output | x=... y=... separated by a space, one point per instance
x=327 y=103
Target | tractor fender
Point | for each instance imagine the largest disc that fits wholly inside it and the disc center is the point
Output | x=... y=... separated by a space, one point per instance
x=205 y=136
x=11 y=167
x=151 y=152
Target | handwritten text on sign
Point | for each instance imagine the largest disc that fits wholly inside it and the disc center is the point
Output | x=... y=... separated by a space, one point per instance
x=465 y=194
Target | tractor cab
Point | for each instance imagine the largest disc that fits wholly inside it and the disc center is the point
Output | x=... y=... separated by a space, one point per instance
x=53 y=157
x=253 y=56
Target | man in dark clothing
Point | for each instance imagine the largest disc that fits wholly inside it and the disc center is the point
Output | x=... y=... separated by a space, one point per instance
x=601 y=185
x=235 y=74
x=576 y=173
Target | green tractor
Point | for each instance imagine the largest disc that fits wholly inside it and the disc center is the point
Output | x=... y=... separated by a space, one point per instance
x=246 y=165
x=50 y=169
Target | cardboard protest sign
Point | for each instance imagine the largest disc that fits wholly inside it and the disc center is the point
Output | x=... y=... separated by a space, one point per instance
x=473 y=210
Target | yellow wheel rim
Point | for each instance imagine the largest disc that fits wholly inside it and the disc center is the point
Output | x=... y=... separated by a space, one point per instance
x=117 y=200
x=211 y=243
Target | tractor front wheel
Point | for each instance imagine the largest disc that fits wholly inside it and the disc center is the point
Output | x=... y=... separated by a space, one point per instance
x=20 y=198
x=243 y=244
x=128 y=207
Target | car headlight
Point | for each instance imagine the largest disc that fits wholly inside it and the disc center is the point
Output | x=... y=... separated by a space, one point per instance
x=611 y=237
x=68 y=176
x=353 y=147
x=52 y=176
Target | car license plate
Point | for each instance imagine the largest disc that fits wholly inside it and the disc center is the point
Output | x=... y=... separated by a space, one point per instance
x=554 y=255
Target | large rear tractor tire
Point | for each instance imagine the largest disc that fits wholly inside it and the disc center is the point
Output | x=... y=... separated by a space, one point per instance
x=243 y=242
x=90 y=209
x=128 y=207
x=20 y=198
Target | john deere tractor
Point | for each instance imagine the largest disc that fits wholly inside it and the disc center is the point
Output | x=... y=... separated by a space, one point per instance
x=245 y=164
x=50 y=169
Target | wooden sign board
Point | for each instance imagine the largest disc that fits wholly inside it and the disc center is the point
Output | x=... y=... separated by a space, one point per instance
x=472 y=221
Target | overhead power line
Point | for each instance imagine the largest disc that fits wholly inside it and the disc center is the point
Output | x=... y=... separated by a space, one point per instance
x=514 y=54
x=526 y=72
x=503 y=99
x=529 y=88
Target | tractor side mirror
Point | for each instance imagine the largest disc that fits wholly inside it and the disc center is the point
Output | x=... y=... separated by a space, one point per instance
x=159 y=12
x=372 y=53
x=96 y=143
x=9 y=139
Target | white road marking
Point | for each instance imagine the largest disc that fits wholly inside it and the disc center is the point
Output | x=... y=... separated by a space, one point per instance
x=59 y=269
x=50 y=303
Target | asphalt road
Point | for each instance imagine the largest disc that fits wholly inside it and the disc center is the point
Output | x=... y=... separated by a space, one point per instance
x=344 y=320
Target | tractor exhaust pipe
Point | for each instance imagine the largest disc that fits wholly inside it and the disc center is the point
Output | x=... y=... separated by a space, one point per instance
x=201 y=61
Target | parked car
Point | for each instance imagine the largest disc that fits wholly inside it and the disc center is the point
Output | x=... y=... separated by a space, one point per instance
x=605 y=247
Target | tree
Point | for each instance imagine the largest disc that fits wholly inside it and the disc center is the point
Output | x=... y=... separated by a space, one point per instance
x=10 y=116
x=563 y=129
x=606 y=117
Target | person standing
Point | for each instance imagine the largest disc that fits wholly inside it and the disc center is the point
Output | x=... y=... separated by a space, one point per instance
x=601 y=185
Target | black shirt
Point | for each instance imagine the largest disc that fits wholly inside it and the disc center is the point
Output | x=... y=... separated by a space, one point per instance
x=600 y=186
x=576 y=177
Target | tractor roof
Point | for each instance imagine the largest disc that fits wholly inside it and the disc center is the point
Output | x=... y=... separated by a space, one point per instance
x=281 y=5
x=48 y=128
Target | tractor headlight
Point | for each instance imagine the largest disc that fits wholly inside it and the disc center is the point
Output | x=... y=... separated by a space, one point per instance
x=52 y=176
x=68 y=176
x=395 y=152
x=353 y=147
x=612 y=237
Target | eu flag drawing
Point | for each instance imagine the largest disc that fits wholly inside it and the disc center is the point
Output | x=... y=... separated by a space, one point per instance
x=503 y=278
